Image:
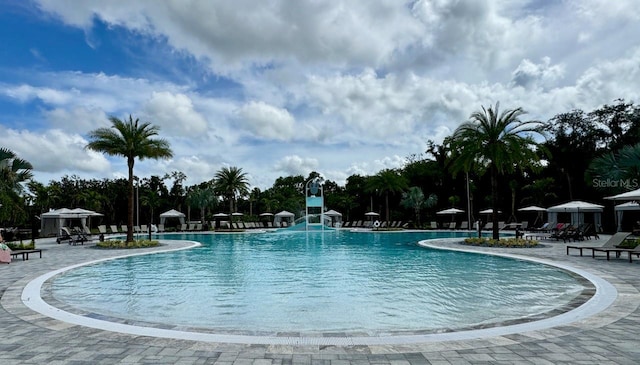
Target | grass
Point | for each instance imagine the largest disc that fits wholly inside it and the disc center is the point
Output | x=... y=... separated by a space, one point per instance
x=503 y=242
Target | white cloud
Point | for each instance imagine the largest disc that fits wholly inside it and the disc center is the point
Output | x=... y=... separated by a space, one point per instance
x=55 y=151
x=175 y=114
x=266 y=121
x=296 y=165
x=78 y=119
x=25 y=93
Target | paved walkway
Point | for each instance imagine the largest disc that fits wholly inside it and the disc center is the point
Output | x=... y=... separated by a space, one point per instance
x=609 y=337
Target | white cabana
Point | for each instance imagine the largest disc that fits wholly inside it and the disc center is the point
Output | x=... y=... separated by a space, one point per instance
x=577 y=209
x=621 y=208
x=336 y=217
x=283 y=216
x=52 y=221
x=629 y=195
x=172 y=214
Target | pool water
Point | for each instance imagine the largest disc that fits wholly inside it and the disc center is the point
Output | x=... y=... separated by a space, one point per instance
x=337 y=281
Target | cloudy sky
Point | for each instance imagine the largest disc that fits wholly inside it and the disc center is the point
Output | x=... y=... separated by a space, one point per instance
x=282 y=88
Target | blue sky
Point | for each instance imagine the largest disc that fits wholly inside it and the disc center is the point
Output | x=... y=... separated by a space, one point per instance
x=283 y=88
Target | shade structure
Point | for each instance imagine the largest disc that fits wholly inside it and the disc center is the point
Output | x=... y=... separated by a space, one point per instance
x=450 y=211
x=172 y=214
x=52 y=221
x=283 y=216
x=532 y=208
x=333 y=213
x=577 y=209
x=266 y=214
x=220 y=215
x=537 y=209
x=371 y=214
x=629 y=195
x=488 y=211
x=624 y=207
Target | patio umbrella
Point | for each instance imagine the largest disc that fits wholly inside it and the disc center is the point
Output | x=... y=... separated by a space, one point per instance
x=220 y=215
x=450 y=211
x=534 y=208
x=266 y=214
x=371 y=215
x=488 y=211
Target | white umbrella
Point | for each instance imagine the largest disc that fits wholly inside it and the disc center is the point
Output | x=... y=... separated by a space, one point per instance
x=371 y=214
x=266 y=214
x=532 y=208
x=488 y=211
x=333 y=213
x=221 y=215
x=451 y=211
x=237 y=214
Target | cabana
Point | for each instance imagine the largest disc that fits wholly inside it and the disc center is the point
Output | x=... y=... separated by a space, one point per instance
x=625 y=207
x=577 y=209
x=172 y=214
x=283 y=216
x=336 y=217
x=52 y=221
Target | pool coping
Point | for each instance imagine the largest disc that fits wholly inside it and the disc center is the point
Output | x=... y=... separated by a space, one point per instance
x=604 y=296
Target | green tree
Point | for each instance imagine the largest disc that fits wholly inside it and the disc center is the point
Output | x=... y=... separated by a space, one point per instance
x=231 y=182
x=201 y=197
x=619 y=166
x=130 y=139
x=14 y=173
x=414 y=199
x=499 y=143
x=387 y=182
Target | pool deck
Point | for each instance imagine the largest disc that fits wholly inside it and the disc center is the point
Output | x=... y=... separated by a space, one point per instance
x=608 y=337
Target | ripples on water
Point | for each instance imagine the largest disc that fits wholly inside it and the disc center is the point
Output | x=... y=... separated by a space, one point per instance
x=336 y=281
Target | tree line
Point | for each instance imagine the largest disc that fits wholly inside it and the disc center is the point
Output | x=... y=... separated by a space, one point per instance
x=498 y=159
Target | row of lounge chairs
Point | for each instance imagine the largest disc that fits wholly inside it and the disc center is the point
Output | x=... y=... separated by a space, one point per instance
x=374 y=224
x=610 y=246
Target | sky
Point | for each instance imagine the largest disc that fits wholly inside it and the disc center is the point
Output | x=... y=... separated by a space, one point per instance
x=281 y=88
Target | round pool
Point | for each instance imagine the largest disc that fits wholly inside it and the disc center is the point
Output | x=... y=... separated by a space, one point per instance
x=332 y=282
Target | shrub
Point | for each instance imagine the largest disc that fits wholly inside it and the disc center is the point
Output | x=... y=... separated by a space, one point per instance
x=21 y=246
x=124 y=244
x=503 y=242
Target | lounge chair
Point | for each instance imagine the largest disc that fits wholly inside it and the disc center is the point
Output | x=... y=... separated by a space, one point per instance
x=434 y=225
x=114 y=229
x=65 y=235
x=488 y=226
x=611 y=243
x=617 y=250
x=160 y=228
x=452 y=225
x=102 y=229
x=464 y=225
x=124 y=228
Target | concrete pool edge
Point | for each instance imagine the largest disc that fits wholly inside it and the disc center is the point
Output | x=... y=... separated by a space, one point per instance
x=604 y=297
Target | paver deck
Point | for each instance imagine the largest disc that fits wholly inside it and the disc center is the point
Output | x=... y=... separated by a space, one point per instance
x=609 y=337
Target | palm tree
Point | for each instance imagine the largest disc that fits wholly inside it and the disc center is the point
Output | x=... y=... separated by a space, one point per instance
x=202 y=198
x=130 y=139
x=414 y=198
x=385 y=182
x=231 y=182
x=14 y=172
x=499 y=143
x=622 y=166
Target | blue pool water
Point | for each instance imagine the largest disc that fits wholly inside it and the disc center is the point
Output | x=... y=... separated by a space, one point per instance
x=373 y=283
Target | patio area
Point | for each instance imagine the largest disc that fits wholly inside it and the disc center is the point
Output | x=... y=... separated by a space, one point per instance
x=609 y=337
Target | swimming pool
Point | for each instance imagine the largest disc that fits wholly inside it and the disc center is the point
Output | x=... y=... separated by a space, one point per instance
x=298 y=282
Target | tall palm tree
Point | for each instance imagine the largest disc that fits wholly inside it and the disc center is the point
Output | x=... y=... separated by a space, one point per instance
x=201 y=197
x=387 y=182
x=130 y=139
x=231 y=182
x=497 y=142
x=621 y=166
